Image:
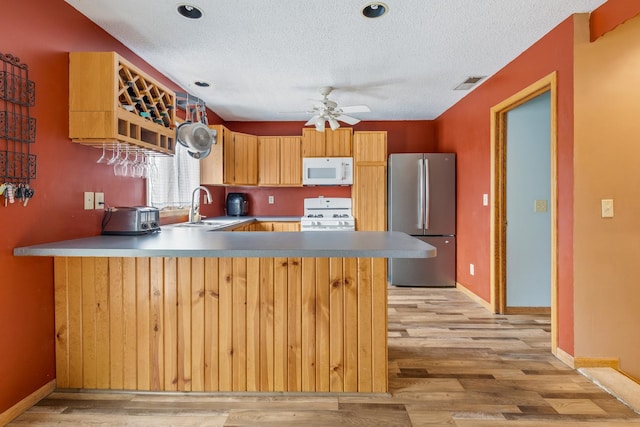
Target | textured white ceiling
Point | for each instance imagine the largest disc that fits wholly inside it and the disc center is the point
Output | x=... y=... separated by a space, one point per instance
x=264 y=58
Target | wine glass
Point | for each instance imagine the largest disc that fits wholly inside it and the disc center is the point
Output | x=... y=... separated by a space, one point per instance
x=122 y=166
x=116 y=154
x=103 y=158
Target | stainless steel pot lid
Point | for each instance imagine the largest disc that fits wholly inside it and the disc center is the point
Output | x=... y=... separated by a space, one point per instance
x=197 y=137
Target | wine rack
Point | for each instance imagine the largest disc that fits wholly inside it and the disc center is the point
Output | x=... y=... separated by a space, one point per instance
x=17 y=127
x=114 y=103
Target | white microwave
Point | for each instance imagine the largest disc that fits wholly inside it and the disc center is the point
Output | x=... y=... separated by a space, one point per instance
x=327 y=170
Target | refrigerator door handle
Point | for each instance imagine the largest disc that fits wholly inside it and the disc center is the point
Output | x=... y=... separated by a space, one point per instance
x=421 y=194
x=426 y=194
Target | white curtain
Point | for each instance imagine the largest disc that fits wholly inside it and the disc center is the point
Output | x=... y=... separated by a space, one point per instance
x=173 y=180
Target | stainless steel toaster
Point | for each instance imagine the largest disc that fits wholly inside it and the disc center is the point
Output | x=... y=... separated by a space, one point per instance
x=132 y=220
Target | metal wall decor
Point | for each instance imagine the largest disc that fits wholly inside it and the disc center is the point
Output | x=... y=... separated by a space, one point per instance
x=17 y=130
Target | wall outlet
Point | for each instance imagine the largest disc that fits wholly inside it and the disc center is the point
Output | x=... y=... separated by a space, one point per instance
x=472 y=269
x=606 y=205
x=270 y=200
x=485 y=200
x=88 y=200
x=99 y=200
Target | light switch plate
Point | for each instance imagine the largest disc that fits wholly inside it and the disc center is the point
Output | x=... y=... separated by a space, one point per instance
x=270 y=200
x=540 y=206
x=485 y=200
x=606 y=205
x=88 y=200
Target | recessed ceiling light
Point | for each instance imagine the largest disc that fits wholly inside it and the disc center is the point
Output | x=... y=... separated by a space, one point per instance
x=202 y=84
x=375 y=10
x=189 y=11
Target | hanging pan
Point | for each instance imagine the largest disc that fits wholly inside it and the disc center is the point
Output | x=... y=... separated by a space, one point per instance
x=197 y=138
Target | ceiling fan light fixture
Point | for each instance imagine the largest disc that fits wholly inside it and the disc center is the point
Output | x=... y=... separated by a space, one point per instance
x=319 y=124
x=190 y=11
x=374 y=10
x=333 y=123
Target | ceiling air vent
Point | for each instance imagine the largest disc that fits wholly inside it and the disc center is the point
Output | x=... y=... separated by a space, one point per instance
x=469 y=83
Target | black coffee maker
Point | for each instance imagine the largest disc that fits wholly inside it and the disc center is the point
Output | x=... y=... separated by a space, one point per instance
x=237 y=204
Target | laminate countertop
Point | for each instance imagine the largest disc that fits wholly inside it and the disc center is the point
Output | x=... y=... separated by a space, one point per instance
x=176 y=241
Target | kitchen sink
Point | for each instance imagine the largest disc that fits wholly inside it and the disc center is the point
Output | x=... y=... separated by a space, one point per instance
x=208 y=224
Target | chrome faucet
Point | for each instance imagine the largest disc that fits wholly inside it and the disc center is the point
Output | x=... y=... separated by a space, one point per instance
x=194 y=210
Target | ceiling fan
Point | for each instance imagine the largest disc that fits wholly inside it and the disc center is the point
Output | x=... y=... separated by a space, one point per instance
x=327 y=110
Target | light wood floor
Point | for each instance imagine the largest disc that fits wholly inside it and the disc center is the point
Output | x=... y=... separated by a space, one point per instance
x=451 y=364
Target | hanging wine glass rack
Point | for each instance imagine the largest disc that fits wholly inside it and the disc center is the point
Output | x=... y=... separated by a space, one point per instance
x=17 y=127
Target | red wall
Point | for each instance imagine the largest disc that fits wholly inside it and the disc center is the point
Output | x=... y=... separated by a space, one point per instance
x=465 y=129
x=415 y=136
x=610 y=15
x=41 y=33
x=402 y=137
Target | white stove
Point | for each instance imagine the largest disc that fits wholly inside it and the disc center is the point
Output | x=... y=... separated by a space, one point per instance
x=327 y=214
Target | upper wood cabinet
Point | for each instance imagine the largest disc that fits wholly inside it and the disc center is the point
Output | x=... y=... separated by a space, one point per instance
x=216 y=168
x=233 y=159
x=112 y=101
x=279 y=161
x=330 y=143
x=244 y=149
x=369 y=191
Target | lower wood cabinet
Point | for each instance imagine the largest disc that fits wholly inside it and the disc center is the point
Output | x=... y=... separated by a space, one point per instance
x=270 y=226
x=221 y=324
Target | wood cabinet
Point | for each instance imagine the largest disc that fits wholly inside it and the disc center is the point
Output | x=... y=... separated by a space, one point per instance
x=369 y=191
x=243 y=152
x=111 y=101
x=330 y=143
x=216 y=169
x=221 y=324
x=279 y=161
x=233 y=159
x=270 y=226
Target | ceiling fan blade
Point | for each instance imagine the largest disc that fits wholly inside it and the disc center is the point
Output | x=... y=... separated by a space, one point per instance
x=312 y=120
x=355 y=109
x=348 y=119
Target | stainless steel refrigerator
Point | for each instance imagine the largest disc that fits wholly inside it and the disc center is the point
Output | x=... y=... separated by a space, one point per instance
x=422 y=203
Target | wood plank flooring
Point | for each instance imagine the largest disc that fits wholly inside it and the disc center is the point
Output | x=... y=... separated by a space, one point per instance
x=451 y=363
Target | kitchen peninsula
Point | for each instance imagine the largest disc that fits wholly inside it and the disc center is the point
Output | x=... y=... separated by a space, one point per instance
x=193 y=310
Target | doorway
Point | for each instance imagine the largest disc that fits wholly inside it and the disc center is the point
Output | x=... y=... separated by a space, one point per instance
x=498 y=244
x=528 y=183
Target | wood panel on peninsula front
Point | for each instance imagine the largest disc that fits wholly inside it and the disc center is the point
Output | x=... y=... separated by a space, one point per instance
x=221 y=324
